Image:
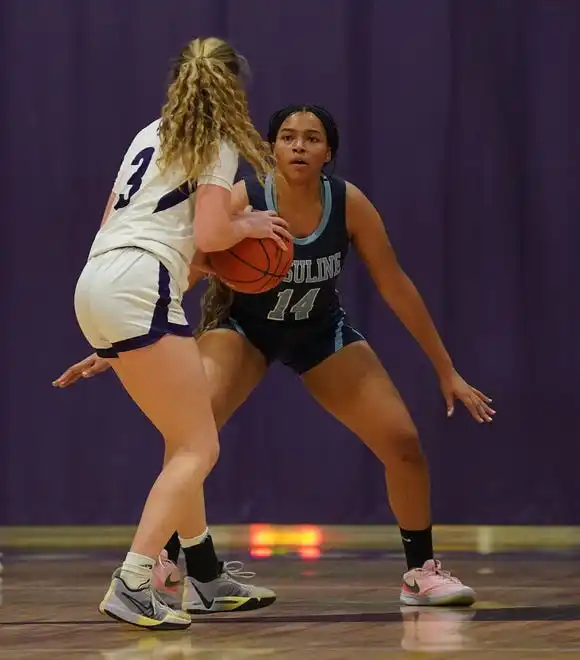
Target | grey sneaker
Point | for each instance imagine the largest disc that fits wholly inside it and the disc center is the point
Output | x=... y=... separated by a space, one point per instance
x=140 y=607
x=225 y=593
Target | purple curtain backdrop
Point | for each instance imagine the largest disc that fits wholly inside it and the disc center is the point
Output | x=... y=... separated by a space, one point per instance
x=459 y=119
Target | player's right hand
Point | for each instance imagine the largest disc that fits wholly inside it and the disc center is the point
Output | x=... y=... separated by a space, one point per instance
x=87 y=368
x=266 y=224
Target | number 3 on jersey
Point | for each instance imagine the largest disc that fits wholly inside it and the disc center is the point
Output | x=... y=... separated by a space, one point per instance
x=142 y=161
x=300 y=309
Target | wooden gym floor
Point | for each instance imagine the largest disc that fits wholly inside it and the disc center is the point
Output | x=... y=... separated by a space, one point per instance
x=338 y=598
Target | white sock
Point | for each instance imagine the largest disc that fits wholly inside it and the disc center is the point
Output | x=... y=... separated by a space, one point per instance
x=136 y=570
x=196 y=540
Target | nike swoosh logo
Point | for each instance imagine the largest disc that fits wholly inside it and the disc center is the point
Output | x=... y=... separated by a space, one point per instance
x=206 y=603
x=415 y=588
x=171 y=583
x=146 y=610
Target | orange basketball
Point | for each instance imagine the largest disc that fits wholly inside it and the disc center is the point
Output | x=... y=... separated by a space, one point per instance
x=254 y=265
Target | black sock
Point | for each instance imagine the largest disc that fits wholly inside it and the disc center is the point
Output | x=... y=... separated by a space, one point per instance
x=418 y=547
x=173 y=546
x=202 y=562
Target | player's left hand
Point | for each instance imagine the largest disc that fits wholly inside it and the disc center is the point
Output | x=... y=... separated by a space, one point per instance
x=454 y=387
x=87 y=368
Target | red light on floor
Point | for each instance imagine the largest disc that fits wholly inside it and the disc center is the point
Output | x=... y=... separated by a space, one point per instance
x=309 y=553
x=285 y=538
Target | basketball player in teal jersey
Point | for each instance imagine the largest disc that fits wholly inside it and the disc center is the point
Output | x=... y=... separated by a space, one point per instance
x=302 y=324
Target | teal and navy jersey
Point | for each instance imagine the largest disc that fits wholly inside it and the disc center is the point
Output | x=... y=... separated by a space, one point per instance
x=308 y=293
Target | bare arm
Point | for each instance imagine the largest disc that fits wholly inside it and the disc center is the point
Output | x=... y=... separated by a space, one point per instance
x=239 y=204
x=213 y=226
x=371 y=241
x=108 y=208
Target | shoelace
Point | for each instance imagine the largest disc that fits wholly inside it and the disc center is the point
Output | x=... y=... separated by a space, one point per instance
x=437 y=570
x=233 y=570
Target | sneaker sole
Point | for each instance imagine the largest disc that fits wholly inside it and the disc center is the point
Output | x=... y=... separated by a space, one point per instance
x=154 y=625
x=462 y=599
x=246 y=605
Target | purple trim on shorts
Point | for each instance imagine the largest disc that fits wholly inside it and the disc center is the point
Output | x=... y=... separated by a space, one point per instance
x=160 y=325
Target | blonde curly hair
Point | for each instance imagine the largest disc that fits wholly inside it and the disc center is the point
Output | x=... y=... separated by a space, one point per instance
x=206 y=103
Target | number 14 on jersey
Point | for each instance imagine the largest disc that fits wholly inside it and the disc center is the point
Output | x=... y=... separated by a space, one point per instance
x=301 y=309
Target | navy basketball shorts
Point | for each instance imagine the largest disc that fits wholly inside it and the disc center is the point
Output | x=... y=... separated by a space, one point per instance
x=127 y=299
x=301 y=345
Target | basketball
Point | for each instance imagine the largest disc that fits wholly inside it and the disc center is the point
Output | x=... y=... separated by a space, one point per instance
x=254 y=265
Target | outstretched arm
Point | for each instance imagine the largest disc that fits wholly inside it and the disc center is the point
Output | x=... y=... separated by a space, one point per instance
x=372 y=242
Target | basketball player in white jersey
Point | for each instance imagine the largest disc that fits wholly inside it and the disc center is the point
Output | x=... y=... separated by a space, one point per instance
x=171 y=196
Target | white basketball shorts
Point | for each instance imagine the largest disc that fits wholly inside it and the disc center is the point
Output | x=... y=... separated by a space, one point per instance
x=126 y=299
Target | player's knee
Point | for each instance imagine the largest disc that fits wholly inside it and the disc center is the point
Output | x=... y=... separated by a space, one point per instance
x=402 y=445
x=201 y=452
x=208 y=453
x=212 y=454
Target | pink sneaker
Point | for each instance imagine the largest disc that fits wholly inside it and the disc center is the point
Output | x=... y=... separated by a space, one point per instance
x=166 y=579
x=431 y=585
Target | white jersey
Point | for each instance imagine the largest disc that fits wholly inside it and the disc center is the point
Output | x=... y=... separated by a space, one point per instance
x=154 y=211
